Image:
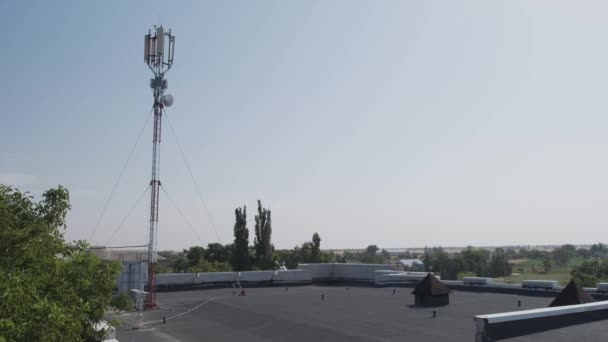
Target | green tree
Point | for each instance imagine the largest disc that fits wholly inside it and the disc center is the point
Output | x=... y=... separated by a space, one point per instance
x=428 y=259
x=306 y=252
x=476 y=260
x=462 y=275
x=547 y=265
x=370 y=256
x=122 y=302
x=385 y=256
x=583 y=253
x=447 y=266
x=598 y=249
x=195 y=256
x=371 y=250
x=328 y=256
x=180 y=264
x=591 y=272
x=499 y=264
x=288 y=257
x=563 y=254
x=264 y=249
x=240 y=250
x=316 y=248
x=217 y=253
x=51 y=290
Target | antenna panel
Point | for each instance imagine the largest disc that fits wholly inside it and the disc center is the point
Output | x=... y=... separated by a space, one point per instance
x=153 y=51
x=160 y=36
x=172 y=48
x=147 y=48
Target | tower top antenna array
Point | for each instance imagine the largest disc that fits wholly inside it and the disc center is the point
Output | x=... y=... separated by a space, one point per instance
x=159 y=49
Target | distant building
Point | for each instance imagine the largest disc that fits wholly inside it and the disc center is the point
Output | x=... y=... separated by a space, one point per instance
x=431 y=292
x=412 y=264
x=134 y=275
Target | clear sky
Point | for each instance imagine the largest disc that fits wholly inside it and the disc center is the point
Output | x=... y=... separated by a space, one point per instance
x=396 y=123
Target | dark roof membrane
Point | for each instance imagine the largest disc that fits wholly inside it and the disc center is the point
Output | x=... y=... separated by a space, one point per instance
x=572 y=294
x=430 y=286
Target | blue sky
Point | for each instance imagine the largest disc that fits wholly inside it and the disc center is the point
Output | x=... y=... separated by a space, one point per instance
x=397 y=123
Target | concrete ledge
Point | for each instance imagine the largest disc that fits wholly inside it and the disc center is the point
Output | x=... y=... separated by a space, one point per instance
x=500 y=288
x=384 y=277
x=541 y=284
x=175 y=279
x=518 y=323
x=477 y=281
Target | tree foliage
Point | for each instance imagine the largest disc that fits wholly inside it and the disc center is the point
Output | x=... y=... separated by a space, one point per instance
x=547 y=265
x=316 y=248
x=368 y=256
x=217 y=253
x=599 y=250
x=51 y=290
x=470 y=261
x=122 y=302
x=308 y=252
x=264 y=249
x=195 y=256
x=591 y=272
x=563 y=254
x=499 y=264
x=240 y=253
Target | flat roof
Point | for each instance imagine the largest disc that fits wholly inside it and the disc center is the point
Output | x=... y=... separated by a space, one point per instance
x=346 y=314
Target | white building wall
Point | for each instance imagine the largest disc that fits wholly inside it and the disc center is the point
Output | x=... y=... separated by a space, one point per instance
x=215 y=277
x=319 y=271
x=254 y=276
x=359 y=271
x=292 y=276
x=134 y=275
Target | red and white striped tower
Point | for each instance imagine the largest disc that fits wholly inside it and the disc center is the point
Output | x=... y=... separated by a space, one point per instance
x=158 y=54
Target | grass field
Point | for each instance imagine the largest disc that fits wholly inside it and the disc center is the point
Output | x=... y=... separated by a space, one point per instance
x=527 y=269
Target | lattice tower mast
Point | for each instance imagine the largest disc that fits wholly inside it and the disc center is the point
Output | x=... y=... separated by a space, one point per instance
x=159 y=48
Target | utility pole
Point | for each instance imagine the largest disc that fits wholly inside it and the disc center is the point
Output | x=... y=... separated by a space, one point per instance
x=158 y=55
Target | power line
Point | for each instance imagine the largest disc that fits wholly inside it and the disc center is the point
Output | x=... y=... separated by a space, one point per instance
x=182 y=215
x=105 y=206
x=196 y=186
x=128 y=214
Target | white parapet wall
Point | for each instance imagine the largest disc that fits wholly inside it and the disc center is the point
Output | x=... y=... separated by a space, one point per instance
x=292 y=276
x=319 y=271
x=256 y=276
x=215 y=277
x=337 y=271
x=540 y=284
x=510 y=324
x=452 y=282
x=169 y=280
x=385 y=277
x=175 y=279
x=359 y=272
x=378 y=272
x=477 y=281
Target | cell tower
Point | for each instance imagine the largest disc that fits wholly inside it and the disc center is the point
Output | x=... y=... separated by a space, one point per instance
x=158 y=54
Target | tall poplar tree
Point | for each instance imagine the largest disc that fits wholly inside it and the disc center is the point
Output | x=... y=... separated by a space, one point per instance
x=264 y=249
x=316 y=248
x=240 y=254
